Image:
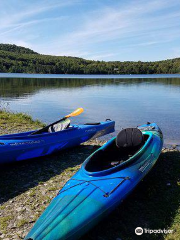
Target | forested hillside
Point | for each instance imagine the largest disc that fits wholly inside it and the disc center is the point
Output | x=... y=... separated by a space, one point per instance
x=17 y=49
x=15 y=59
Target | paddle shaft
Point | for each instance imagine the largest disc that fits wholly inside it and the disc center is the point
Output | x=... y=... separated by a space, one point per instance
x=73 y=114
x=47 y=127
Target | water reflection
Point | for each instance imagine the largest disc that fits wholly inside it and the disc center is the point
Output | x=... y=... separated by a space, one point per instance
x=128 y=101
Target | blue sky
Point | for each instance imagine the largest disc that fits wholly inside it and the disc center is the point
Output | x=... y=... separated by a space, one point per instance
x=145 y=30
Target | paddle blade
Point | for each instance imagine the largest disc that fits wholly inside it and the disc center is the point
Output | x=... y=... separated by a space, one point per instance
x=75 y=113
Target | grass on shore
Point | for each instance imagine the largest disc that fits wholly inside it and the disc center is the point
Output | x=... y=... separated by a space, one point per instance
x=26 y=188
x=11 y=123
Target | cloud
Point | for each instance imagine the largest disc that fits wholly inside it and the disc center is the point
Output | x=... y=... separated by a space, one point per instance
x=11 y=17
x=19 y=25
x=137 y=23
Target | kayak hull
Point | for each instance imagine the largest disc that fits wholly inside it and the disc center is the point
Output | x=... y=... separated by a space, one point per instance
x=23 y=146
x=90 y=196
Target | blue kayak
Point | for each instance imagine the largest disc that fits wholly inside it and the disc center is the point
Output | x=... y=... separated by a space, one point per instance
x=104 y=180
x=28 y=145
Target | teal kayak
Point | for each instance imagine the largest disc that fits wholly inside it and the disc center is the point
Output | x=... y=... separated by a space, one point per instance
x=104 y=180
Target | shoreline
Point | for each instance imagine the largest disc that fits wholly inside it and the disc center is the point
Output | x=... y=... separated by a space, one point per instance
x=24 y=122
x=27 y=187
x=93 y=76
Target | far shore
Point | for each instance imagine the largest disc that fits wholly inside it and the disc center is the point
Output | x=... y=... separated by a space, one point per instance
x=93 y=76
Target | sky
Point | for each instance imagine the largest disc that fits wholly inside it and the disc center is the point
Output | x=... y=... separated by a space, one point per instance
x=121 y=30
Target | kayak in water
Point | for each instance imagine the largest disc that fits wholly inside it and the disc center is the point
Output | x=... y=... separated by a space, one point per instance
x=59 y=136
x=104 y=180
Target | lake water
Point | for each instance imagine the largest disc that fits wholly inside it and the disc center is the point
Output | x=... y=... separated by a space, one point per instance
x=129 y=101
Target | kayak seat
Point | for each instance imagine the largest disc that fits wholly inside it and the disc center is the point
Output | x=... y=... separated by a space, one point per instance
x=125 y=145
x=59 y=126
x=129 y=138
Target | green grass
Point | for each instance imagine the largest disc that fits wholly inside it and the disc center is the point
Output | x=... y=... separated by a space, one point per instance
x=14 y=122
x=22 y=222
x=4 y=223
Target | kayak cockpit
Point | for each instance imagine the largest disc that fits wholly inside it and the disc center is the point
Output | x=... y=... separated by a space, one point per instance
x=56 y=127
x=127 y=143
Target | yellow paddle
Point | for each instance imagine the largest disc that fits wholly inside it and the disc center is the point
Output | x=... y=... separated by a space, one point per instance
x=77 y=112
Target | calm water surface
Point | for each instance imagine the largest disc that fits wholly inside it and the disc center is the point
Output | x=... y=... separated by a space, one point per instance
x=130 y=102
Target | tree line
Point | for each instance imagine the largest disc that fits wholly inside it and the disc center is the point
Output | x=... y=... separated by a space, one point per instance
x=15 y=59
